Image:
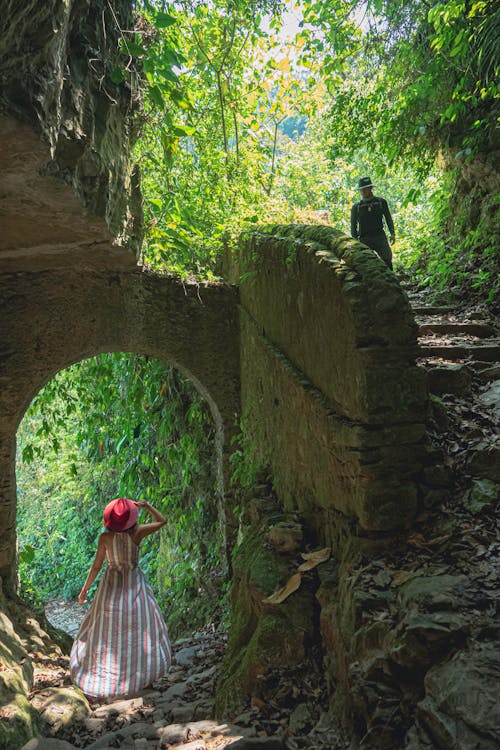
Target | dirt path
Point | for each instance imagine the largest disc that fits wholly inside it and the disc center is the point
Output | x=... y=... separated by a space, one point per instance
x=65 y=615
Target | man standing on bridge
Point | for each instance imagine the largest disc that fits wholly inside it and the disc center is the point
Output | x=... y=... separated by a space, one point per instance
x=367 y=221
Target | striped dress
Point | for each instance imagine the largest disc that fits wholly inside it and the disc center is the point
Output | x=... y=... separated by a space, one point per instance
x=122 y=645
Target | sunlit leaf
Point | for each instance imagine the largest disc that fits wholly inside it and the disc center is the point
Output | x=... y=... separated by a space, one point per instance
x=163 y=20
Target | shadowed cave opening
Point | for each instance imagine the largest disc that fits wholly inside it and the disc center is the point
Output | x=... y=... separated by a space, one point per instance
x=121 y=424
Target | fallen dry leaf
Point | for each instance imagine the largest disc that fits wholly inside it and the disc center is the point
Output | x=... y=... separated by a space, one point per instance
x=312 y=559
x=257 y=702
x=290 y=586
x=401 y=576
x=307 y=565
x=416 y=539
x=320 y=555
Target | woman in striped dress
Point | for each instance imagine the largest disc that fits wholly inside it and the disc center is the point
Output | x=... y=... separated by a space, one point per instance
x=122 y=645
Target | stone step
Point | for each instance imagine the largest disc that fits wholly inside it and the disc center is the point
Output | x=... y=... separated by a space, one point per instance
x=453 y=378
x=489 y=374
x=432 y=309
x=484 y=352
x=481 y=330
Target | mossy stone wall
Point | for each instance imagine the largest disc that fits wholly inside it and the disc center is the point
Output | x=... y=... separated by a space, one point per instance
x=334 y=410
x=263 y=636
x=332 y=400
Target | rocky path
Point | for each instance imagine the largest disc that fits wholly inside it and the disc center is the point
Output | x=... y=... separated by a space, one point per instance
x=178 y=712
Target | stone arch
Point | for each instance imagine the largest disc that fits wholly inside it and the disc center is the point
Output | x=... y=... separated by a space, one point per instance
x=51 y=320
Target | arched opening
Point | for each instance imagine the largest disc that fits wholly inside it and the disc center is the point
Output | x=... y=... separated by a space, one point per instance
x=123 y=424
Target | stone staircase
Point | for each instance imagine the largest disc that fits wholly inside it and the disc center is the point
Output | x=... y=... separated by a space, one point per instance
x=459 y=347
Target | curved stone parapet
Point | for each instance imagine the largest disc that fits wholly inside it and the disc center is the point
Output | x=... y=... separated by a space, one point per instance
x=333 y=400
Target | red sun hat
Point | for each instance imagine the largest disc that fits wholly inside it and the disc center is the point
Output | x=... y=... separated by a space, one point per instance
x=120 y=514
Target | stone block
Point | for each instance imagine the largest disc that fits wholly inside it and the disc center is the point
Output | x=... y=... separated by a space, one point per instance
x=456 y=379
x=483 y=493
x=47 y=743
x=18 y=718
x=434 y=497
x=424 y=637
x=285 y=536
x=438 y=413
x=385 y=506
x=461 y=707
x=258 y=743
x=444 y=592
x=193 y=745
x=489 y=374
x=437 y=476
x=61 y=707
x=484 y=463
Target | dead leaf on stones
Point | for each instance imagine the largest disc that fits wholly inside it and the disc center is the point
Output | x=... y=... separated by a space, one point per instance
x=401 y=576
x=290 y=586
x=257 y=702
x=312 y=559
x=416 y=539
x=321 y=555
x=438 y=540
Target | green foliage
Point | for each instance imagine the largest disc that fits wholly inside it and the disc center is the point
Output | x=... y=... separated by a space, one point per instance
x=244 y=138
x=241 y=96
x=135 y=428
x=414 y=92
x=245 y=464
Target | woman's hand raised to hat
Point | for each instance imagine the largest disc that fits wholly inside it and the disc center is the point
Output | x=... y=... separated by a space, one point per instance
x=141 y=503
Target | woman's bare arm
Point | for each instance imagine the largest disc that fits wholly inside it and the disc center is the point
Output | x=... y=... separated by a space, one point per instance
x=94 y=570
x=149 y=528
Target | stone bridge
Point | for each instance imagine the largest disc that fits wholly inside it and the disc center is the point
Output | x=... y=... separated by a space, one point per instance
x=315 y=349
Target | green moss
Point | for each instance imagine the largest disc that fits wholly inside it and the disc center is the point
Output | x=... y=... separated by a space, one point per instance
x=262 y=636
x=18 y=718
x=278 y=640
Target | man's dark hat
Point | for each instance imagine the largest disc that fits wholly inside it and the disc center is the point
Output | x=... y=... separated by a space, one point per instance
x=365 y=182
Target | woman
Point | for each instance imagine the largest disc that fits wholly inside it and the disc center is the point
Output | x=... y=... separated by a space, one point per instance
x=122 y=645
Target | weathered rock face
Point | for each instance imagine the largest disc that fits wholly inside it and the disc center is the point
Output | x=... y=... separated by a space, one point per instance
x=461 y=702
x=66 y=132
x=24 y=643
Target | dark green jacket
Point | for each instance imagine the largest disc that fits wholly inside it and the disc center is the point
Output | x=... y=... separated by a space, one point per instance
x=367 y=218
